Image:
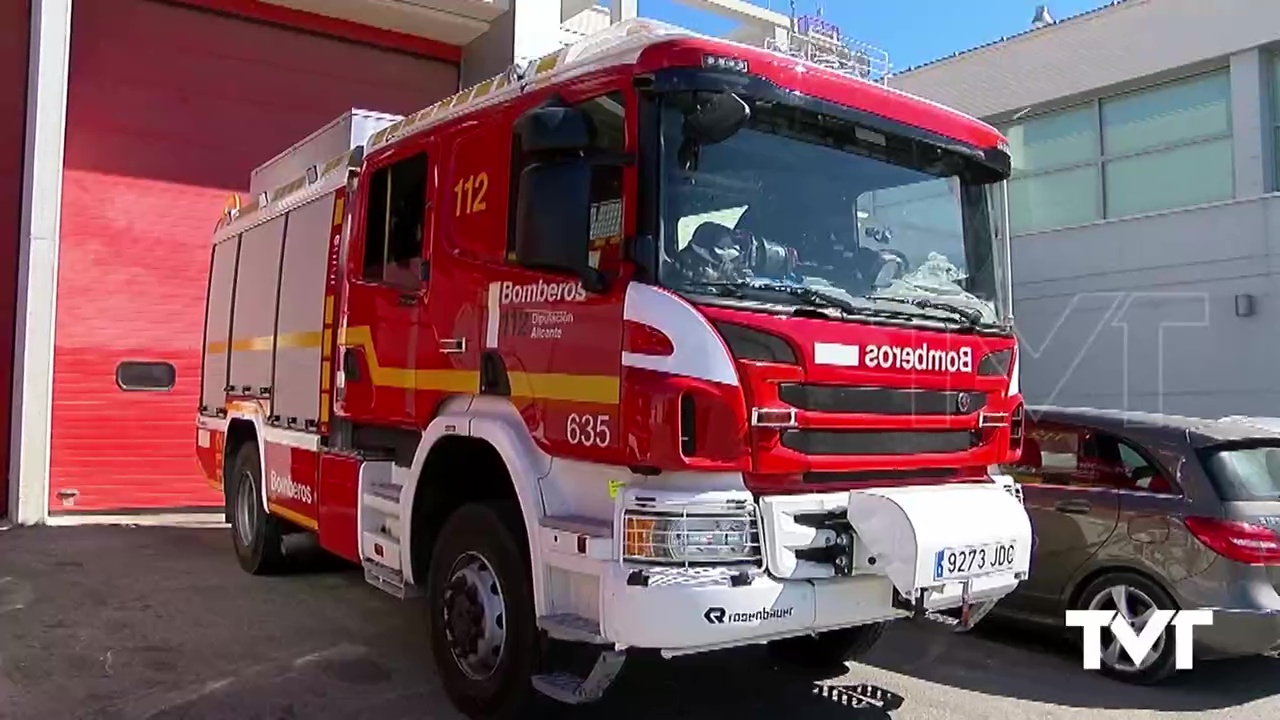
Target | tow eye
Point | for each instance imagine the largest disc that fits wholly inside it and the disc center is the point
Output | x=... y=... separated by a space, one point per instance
x=970 y=612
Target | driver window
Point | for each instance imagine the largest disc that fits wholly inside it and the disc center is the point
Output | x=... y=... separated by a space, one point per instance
x=394 y=223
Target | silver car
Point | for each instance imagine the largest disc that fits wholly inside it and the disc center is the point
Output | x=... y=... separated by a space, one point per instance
x=1134 y=511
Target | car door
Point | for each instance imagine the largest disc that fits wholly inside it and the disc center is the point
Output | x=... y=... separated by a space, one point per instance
x=1072 y=512
x=1148 y=495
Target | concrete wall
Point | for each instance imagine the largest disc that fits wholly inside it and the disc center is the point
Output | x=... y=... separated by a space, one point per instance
x=1139 y=313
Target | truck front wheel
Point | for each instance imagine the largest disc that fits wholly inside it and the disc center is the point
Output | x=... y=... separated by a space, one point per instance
x=483 y=632
x=828 y=649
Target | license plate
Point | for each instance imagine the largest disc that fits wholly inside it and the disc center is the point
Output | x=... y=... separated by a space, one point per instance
x=971 y=560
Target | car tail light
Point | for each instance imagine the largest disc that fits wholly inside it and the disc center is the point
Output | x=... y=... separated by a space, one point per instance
x=1239 y=541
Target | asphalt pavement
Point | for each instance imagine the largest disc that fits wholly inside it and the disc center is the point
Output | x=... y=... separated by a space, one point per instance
x=160 y=623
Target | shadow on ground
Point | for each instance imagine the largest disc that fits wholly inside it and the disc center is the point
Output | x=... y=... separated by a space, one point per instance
x=160 y=623
x=1006 y=659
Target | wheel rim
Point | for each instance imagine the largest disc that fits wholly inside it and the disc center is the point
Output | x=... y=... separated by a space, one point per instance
x=1137 y=608
x=475 y=616
x=246 y=509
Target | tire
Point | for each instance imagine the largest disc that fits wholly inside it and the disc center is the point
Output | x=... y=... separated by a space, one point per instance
x=257 y=536
x=477 y=551
x=826 y=650
x=1140 y=594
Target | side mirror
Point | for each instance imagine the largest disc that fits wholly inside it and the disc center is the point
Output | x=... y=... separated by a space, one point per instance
x=554 y=129
x=553 y=220
x=716 y=119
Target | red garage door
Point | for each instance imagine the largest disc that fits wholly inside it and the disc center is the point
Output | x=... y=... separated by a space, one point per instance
x=169 y=109
x=14 y=33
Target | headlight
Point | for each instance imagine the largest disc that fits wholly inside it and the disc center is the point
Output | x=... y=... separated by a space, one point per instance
x=690 y=534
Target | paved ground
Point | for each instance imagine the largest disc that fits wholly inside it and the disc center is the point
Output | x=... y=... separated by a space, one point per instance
x=160 y=623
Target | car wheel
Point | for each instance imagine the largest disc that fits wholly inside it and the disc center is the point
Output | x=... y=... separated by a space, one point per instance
x=826 y=650
x=1135 y=598
x=483 y=632
x=257 y=535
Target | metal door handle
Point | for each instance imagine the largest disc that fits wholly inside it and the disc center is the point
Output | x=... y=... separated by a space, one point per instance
x=453 y=345
x=1073 y=507
x=408 y=300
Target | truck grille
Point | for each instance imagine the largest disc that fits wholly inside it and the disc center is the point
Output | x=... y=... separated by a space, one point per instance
x=879 y=442
x=880 y=401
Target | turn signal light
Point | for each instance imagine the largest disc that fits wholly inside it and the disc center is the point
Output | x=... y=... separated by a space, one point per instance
x=644 y=339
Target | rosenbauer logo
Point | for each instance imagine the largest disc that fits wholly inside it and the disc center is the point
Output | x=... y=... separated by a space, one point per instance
x=541 y=292
x=895 y=357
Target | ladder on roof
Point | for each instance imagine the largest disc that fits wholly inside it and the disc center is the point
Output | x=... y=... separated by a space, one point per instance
x=817 y=41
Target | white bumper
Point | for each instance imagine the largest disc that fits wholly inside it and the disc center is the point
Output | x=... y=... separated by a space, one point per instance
x=898 y=533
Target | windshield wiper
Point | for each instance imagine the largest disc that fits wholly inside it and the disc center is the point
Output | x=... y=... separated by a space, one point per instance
x=810 y=296
x=972 y=316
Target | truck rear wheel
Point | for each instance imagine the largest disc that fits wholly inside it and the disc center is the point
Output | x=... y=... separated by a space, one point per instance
x=828 y=649
x=484 y=634
x=258 y=537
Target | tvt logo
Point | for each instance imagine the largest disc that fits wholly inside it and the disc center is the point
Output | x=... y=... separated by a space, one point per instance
x=1137 y=638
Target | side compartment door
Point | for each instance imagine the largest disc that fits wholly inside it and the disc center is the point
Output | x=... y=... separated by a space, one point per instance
x=383 y=305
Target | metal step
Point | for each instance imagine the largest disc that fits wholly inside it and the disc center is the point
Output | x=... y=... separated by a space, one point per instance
x=383 y=497
x=388 y=580
x=572 y=690
x=572 y=628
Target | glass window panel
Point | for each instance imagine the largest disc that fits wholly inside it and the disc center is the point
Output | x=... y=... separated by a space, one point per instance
x=1176 y=178
x=1062 y=138
x=1057 y=199
x=1275 y=87
x=1167 y=114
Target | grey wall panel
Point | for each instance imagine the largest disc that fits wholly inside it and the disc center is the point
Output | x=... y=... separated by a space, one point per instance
x=1140 y=314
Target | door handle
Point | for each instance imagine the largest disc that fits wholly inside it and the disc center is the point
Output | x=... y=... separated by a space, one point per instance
x=453 y=346
x=408 y=300
x=1073 y=507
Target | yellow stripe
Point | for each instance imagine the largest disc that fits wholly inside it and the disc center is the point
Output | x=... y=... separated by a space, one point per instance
x=602 y=389
x=294 y=517
x=324 y=375
x=328 y=311
x=337 y=211
x=598 y=389
x=285 y=341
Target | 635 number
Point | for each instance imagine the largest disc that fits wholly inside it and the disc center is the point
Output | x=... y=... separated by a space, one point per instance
x=589 y=430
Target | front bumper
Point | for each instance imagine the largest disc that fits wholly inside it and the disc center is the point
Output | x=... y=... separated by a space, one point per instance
x=897 y=535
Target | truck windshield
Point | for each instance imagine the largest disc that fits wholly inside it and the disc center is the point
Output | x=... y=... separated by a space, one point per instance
x=799 y=204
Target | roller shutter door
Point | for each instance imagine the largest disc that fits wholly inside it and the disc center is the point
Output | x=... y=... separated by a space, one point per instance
x=14 y=36
x=169 y=109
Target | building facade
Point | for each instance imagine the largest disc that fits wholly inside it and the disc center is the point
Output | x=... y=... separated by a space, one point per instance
x=1144 y=208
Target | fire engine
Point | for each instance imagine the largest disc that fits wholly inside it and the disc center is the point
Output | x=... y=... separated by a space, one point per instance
x=658 y=341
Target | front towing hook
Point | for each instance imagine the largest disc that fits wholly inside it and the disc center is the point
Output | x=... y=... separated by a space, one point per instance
x=971 y=613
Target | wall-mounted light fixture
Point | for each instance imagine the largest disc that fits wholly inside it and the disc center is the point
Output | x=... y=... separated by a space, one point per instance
x=1245 y=305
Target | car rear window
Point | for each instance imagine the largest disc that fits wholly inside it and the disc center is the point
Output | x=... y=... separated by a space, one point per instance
x=1244 y=472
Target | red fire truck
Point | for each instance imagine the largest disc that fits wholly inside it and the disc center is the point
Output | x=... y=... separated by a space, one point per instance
x=657 y=342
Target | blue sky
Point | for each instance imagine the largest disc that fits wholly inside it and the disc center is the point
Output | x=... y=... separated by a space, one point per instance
x=912 y=31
